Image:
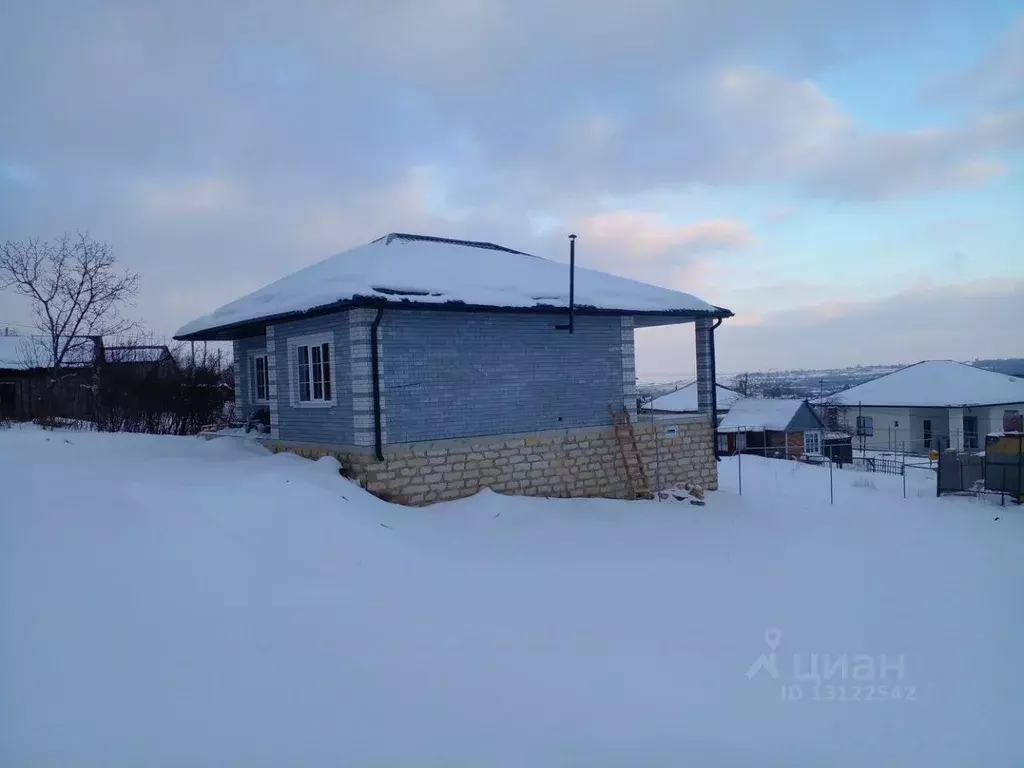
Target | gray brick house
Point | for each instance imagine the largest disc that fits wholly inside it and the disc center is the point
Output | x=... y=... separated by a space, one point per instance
x=432 y=368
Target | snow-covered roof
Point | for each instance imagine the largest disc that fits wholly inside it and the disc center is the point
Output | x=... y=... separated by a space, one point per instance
x=684 y=399
x=21 y=353
x=429 y=271
x=750 y=413
x=936 y=384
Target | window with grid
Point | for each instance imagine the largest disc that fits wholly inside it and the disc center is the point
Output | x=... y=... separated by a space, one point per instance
x=313 y=369
x=260 y=379
x=812 y=442
x=866 y=425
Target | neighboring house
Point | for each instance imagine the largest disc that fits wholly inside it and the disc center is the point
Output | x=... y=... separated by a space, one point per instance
x=931 y=405
x=774 y=428
x=28 y=387
x=684 y=400
x=143 y=360
x=434 y=367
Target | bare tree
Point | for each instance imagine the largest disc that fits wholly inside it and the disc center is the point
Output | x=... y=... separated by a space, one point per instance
x=758 y=384
x=75 y=288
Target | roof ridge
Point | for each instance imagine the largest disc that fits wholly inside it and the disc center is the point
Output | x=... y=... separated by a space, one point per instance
x=450 y=241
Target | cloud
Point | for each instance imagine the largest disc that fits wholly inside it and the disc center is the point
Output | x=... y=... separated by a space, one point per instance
x=645 y=234
x=219 y=146
x=188 y=198
x=996 y=80
x=744 y=126
x=925 y=322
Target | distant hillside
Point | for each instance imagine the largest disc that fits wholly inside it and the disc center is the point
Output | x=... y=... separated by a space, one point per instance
x=811 y=383
x=1013 y=366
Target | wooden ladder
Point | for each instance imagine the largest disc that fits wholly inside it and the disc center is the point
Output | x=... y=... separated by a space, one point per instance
x=636 y=476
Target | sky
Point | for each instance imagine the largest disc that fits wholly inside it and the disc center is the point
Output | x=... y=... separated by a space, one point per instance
x=846 y=177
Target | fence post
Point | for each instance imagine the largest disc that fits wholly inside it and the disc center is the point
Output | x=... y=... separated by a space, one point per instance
x=1002 y=489
x=831 y=493
x=904 y=480
x=739 y=463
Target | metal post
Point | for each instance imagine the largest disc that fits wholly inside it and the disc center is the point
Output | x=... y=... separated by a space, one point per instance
x=904 y=479
x=831 y=493
x=739 y=464
x=572 y=281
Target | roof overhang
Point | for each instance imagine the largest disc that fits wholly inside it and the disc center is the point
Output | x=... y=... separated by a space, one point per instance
x=257 y=327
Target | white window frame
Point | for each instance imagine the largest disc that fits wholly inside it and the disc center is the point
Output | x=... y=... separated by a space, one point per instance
x=310 y=342
x=741 y=441
x=818 y=439
x=723 y=442
x=254 y=389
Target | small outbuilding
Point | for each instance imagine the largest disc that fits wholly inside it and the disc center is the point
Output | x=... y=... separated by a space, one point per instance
x=432 y=368
x=773 y=428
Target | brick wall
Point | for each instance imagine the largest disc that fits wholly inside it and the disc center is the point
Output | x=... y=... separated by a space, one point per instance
x=460 y=374
x=579 y=462
x=330 y=423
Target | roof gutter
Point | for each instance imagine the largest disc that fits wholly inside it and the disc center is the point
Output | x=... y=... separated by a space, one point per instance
x=378 y=441
x=714 y=389
x=255 y=326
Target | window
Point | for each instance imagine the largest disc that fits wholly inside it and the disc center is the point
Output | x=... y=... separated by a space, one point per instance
x=1012 y=421
x=260 y=379
x=313 y=369
x=866 y=426
x=741 y=441
x=927 y=427
x=812 y=442
x=723 y=443
x=970 y=433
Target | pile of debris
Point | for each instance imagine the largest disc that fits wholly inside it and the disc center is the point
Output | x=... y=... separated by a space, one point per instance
x=687 y=492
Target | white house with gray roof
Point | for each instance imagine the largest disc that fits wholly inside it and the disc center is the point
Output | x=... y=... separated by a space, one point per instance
x=414 y=343
x=929 y=406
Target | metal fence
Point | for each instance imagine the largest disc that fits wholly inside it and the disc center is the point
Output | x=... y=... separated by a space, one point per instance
x=889 y=465
x=977 y=473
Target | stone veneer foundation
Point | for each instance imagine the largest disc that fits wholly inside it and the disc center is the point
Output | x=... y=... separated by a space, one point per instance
x=563 y=463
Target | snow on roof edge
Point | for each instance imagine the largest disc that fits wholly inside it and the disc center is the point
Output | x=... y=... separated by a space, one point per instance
x=443 y=274
x=450 y=306
x=895 y=401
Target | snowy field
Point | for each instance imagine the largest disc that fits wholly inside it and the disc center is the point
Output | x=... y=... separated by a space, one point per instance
x=174 y=602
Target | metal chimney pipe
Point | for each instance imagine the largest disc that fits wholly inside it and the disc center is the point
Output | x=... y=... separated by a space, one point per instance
x=572 y=280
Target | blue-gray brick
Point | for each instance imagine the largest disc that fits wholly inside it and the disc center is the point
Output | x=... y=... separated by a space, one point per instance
x=461 y=374
x=315 y=425
x=244 y=384
x=457 y=374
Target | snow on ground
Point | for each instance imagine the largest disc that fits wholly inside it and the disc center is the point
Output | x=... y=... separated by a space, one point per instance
x=178 y=602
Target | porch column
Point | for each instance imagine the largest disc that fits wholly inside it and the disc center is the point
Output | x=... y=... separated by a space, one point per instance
x=628 y=367
x=272 y=388
x=705 y=366
x=956 y=428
